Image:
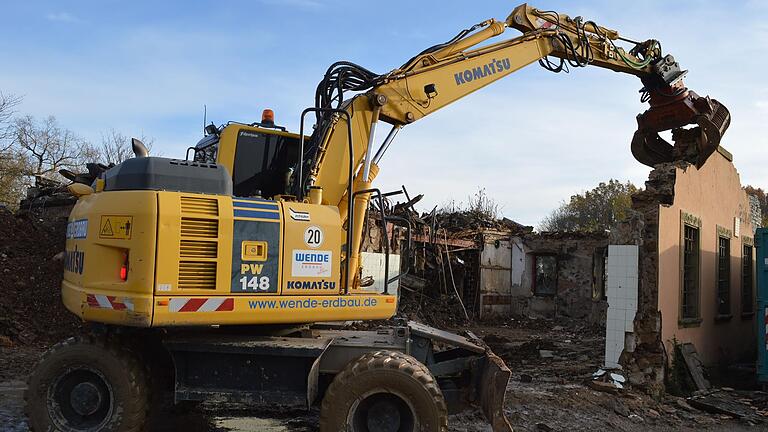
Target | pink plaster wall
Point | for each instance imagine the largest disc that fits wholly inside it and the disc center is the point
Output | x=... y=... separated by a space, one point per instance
x=714 y=194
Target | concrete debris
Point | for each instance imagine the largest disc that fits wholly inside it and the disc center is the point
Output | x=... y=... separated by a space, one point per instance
x=744 y=405
x=618 y=378
x=546 y=354
x=620 y=409
x=602 y=386
x=604 y=379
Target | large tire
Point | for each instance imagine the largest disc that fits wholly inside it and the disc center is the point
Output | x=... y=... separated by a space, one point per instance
x=87 y=384
x=384 y=391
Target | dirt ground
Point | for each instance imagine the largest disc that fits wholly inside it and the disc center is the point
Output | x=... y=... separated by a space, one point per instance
x=550 y=362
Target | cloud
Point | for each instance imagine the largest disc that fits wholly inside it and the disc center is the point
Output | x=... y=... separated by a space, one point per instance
x=65 y=17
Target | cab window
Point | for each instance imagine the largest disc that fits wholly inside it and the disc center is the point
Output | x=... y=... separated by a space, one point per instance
x=262 y=161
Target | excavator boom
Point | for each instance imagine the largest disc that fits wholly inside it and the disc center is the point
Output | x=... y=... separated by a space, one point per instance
x=444 y=73
x=672 y=105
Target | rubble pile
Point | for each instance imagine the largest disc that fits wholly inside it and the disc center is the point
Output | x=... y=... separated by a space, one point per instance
x=462 y=223
x=31 y=311
x=440 y=310
x=537 y=350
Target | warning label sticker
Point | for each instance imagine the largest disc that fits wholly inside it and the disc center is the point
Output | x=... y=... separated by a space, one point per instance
x=116 y=227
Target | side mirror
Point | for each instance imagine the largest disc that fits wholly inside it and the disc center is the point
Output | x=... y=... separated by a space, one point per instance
x=139 y=149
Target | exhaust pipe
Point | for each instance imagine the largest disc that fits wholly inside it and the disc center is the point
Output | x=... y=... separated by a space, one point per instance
x=139 y=149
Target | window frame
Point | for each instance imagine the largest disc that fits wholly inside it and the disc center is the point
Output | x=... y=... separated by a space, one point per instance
x=534 y=287
x=723 y=265
x=747 y=263
x=692 y=222
x=599 y=273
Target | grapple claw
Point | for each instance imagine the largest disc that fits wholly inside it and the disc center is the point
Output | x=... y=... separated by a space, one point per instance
x=694 y=145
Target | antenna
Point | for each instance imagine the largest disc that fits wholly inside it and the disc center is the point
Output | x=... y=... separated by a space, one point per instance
x=205 y=116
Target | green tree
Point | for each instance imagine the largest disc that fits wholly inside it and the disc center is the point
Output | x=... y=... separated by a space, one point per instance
x=761 y=196
x=594 y=210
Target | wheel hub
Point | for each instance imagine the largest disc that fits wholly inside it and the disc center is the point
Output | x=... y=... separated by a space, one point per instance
x=383 y=412
x=80 y=399
x=85 y=398
x=383 y=416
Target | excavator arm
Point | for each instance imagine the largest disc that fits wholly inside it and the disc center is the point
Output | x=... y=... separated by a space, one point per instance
x=450 y=71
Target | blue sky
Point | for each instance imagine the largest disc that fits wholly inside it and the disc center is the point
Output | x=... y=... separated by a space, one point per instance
x=530 y=140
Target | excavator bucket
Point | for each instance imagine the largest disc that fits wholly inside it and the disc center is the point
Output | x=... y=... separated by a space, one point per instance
x=490 y=376
x=493 y=387
x=696 y=144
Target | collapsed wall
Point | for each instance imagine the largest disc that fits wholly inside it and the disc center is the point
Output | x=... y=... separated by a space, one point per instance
x=574 y=289
x=644 y=357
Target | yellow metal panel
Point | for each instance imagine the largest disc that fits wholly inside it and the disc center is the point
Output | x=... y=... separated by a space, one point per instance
x=275 y=309
x=311 y=249
x=93 y=264
x=199 y=226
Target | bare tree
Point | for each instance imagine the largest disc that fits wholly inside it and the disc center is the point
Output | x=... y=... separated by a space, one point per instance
x=116 y=147
x=13 y=164
x=49 y=147
x=8 y=104
x=479 y=204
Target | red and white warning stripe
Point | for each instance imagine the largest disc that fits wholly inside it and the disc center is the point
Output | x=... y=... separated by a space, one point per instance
x=109 y=302
x=215 y=304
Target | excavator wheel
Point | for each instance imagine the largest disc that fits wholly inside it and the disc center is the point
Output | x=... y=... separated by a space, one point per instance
x=87 y=384
x=384 y=391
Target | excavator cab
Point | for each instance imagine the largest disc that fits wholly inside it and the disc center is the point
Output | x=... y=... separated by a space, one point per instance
x=261 y=156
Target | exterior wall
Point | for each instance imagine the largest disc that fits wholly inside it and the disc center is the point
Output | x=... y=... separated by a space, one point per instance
x=573 y=296
x=714 y=195
x=495 y=275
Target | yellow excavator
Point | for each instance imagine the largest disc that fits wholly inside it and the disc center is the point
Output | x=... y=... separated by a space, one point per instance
x=220 y=277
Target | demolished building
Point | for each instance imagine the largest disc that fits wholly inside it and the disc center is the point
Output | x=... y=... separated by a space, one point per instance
x=695 y=278
x=679 y=270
